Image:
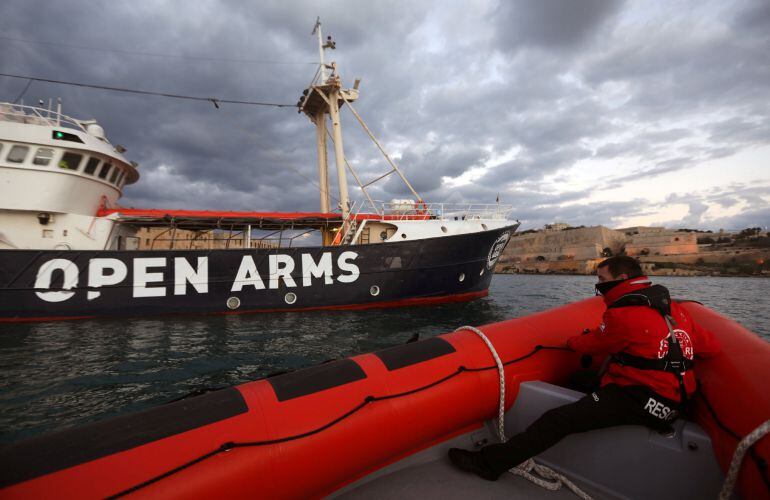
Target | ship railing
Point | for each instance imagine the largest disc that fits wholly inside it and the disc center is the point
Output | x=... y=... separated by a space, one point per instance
x=19 y=113
x=411 y=210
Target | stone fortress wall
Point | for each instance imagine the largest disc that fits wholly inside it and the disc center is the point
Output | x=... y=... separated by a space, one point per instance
x=561 y=249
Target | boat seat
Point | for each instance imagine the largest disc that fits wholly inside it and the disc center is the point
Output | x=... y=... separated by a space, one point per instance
x=620 y=462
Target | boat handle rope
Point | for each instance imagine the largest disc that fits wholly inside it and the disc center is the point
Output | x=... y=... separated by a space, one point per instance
x=743 y=446
x=230 y=445
x=546 y=477
x=758 y=460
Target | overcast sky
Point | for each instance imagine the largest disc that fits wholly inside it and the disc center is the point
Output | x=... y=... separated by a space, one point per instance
x=582 y=111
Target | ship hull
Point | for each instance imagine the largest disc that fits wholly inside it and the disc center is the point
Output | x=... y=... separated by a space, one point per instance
x=40 y=285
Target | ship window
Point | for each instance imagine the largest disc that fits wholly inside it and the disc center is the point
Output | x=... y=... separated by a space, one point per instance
x=105 y=170
x=91 y=165
x=120 y=179
x=114 y=175
x=70 y=161
x=43 y=156
x=18 y=154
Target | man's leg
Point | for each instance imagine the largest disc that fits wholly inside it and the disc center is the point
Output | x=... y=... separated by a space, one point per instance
x=606 y=407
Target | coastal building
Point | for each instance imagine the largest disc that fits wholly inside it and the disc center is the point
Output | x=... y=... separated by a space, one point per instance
x=659 y=241
x=557 y=226
x=567 y=250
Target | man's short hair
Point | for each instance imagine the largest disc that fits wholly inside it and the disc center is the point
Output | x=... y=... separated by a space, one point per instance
x=622 y=264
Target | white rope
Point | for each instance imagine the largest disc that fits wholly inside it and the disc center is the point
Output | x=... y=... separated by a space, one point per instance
x=546 y=477
x=501 y=374
x=738 y=456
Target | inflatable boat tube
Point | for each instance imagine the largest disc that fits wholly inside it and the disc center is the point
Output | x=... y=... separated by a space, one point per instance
x=310 y=432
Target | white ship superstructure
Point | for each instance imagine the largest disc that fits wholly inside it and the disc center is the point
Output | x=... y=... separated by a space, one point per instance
x=55 y=174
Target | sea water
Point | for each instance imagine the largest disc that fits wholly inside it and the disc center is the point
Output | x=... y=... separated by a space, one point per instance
x=59 y=374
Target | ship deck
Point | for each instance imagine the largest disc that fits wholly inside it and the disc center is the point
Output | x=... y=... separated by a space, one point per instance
x=206 y=219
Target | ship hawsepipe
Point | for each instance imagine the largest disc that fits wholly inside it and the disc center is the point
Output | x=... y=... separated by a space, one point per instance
x=68 y=284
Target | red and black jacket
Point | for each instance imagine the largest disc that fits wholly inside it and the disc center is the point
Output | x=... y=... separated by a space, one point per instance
x=638 y=335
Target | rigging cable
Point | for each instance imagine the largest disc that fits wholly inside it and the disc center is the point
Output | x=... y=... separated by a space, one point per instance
x=213 y=100
x=314 y=184
x=26 y=87
x=151 y=54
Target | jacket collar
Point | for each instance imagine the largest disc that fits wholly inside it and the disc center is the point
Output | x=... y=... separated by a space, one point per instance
x=627 y=286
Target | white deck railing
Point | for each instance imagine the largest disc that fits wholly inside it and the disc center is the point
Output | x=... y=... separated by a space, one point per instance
x=37 y=116
x=445 y=211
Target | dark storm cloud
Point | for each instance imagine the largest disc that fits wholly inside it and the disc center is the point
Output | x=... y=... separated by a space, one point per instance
x=533 y=165
x=446 y=88
x=552 y=24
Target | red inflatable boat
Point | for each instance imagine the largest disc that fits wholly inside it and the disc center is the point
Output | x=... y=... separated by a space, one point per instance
x=372 y=420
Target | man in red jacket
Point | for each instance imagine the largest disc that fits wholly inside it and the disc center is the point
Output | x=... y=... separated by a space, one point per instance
x=652 y=343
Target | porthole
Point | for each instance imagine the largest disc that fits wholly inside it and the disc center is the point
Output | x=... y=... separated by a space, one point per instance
x=403 y=235
x=374 y=290
x=444 y=229
x=233 y=303
x=484 y=227
x=290 y=298
x=461 y=278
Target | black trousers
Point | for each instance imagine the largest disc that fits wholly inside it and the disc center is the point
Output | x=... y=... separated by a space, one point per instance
x=608 y=406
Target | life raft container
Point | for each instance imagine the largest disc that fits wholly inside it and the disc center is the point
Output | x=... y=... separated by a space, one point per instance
x=309 y=433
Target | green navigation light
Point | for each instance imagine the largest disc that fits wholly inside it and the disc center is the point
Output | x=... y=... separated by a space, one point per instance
x=58 y=135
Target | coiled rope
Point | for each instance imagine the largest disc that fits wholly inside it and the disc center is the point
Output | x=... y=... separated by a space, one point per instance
x=738 y=455
x=539 y=474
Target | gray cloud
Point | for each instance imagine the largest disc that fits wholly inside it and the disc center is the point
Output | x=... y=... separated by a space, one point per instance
x=551 y=25
x=446 y=88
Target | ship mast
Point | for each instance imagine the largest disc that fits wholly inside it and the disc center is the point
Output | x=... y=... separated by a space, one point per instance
x=322 y=98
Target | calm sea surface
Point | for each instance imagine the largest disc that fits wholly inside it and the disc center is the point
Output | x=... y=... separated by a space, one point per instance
x=56 y=375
